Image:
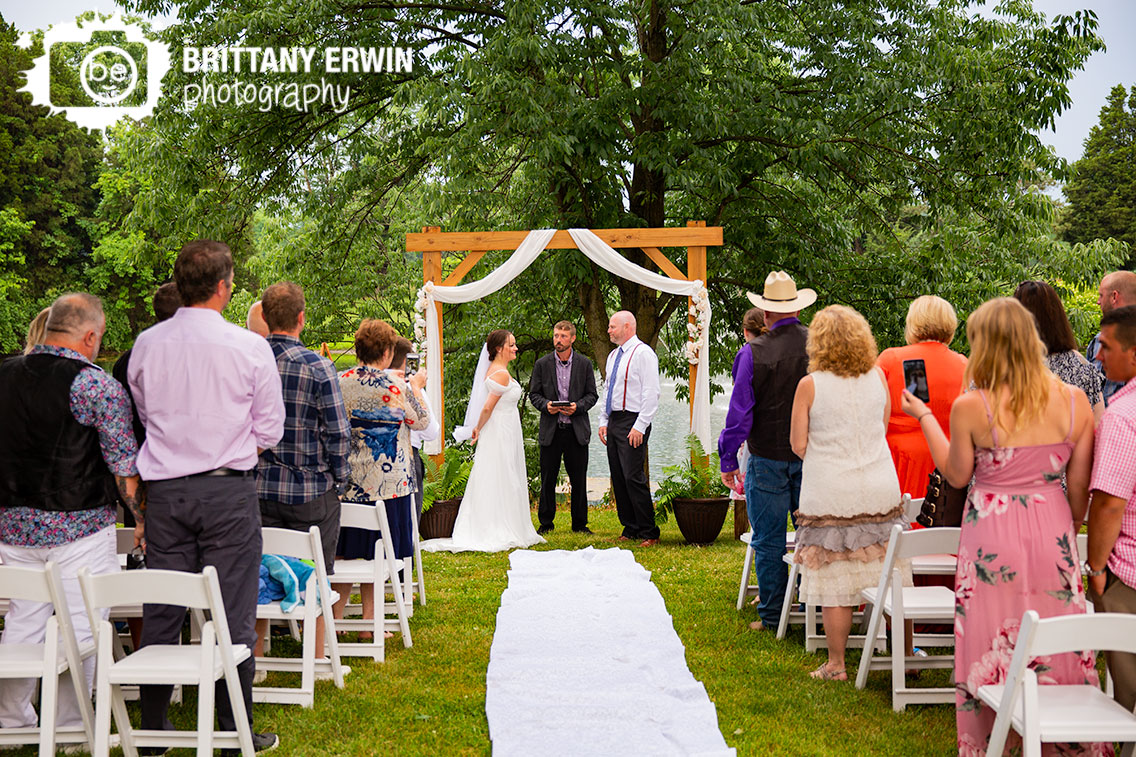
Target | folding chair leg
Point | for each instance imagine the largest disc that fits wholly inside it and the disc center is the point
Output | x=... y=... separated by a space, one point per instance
x=49 y=698
x=103 y=697
x=787 y=606
x=747 y=566
x=399 y=604
x=421 y=584
x=205 y=708
x=898 y=645
x=869 y=648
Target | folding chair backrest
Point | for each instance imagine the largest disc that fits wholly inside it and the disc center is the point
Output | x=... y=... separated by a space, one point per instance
x=303 y=545
x=24 y=583
x=912 y=506
x=354 y=515
x=1103 y=631
x=927 y=541
x=198 y=591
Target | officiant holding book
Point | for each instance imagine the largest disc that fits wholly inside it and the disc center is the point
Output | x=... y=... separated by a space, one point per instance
x=563 y=389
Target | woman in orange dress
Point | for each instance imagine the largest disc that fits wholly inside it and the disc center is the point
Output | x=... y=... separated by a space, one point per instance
x=931 y=324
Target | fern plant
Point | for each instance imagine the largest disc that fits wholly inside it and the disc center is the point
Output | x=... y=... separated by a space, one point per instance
x=448 y=480
x=695 y=478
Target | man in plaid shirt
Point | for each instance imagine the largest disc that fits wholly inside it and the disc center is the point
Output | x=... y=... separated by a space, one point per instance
x=296 y=480
x=1111 y=566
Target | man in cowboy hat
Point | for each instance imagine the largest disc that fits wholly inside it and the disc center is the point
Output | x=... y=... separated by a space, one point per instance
x=766 y=372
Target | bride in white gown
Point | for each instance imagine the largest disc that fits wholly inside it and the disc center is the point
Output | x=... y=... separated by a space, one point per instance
x=494 y=514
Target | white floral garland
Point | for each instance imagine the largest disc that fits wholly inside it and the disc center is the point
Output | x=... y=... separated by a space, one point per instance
x=700 y=310
x=420 y=319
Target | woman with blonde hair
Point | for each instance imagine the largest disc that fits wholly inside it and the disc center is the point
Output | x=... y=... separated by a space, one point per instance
x=37 y=330
x=931 y=324
x=1016 y=433
x=850 y=496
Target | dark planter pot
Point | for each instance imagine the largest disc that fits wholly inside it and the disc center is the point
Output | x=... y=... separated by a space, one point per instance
x=438 y=521
x=700 y=520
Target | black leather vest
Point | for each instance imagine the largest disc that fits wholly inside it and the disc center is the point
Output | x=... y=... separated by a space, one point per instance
x=48 y=461
x=779 y=364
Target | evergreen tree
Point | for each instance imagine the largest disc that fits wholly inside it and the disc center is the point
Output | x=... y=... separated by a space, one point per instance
x=1102 y=192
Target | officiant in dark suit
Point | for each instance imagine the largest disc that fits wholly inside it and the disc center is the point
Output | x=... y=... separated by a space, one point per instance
x=563 y=389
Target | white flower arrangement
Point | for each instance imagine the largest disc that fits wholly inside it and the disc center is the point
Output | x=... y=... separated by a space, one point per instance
x=699 y=310
x=420 y=304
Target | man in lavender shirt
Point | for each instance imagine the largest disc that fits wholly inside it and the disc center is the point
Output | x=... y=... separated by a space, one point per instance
x=766 y=373
x=209 y=395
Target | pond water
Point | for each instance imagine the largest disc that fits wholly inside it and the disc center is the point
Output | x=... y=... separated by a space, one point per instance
x=669 y=430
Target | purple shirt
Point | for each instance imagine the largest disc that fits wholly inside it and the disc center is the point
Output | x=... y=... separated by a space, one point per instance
x=96 y=400
x=563 y=376
x=739 y=418
x=208 y=393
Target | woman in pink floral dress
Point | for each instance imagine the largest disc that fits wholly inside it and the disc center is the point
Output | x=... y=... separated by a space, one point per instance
x=1016 y=434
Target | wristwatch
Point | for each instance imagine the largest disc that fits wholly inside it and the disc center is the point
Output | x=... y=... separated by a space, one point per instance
x=1088 y=571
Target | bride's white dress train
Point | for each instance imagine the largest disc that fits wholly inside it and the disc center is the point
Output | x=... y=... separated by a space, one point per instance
x=494 y=514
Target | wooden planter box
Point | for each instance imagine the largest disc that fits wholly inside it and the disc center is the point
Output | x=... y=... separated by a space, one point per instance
x=741 y=518
x=700 y=520
x=438 y=521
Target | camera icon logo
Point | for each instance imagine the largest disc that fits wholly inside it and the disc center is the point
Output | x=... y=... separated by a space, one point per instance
x=109 y=75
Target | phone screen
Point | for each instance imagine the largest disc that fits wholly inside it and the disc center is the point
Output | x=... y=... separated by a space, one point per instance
x=915 y=378
x=411 y=365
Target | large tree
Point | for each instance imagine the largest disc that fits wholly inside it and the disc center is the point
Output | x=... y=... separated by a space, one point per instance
x=1102 y=190
x=48 y=167
x=806 y=128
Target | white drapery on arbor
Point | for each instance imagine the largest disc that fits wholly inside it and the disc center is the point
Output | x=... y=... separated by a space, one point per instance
x=602 y=255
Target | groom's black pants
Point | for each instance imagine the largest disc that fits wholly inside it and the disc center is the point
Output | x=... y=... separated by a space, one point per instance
x=564 y=445
x=629 y=477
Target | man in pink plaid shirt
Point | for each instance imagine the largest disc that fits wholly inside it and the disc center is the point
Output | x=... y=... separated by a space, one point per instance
x=1111 y=566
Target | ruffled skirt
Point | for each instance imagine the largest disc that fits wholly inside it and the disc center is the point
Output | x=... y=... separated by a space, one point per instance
x=842 y=556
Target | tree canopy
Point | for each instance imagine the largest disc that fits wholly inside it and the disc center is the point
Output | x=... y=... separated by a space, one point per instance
x=1102 y=190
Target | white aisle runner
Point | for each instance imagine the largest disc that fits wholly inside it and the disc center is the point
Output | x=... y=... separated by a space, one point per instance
x=585 y=661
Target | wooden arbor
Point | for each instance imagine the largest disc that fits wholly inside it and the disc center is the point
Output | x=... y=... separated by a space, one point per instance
x=432 y=242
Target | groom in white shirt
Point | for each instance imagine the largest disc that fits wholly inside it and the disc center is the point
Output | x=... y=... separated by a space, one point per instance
x=630 y=401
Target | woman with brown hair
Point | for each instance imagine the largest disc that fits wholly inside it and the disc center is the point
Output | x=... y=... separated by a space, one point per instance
x=1056 y=334
x=931 y=324
x=850 y=496
x=495 y=514
x=382 y=408
x=1016 y=433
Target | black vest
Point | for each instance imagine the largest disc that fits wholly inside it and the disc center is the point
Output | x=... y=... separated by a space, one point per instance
x=779 y=364
x=48 y=461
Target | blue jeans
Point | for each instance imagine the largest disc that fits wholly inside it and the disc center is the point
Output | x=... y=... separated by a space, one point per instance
x=773 y=491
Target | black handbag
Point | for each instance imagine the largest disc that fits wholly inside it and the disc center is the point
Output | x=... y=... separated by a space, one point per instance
x=942 y=504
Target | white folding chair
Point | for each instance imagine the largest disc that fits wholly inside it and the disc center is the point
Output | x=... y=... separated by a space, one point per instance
x=419 y=583
x=164 y=664
x=745 y=588
x=377 y=572
x=930 y=604
x=44 y=662
x=317 y=602
x=1060 y=712
x=814 y=639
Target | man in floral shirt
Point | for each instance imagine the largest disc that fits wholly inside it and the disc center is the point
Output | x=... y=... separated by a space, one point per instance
x=1111 y=566
x=66 y=453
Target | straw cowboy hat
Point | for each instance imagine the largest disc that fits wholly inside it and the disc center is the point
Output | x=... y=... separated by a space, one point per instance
x=781 y=295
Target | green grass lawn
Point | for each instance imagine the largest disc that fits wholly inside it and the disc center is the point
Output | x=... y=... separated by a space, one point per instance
x=430 y=699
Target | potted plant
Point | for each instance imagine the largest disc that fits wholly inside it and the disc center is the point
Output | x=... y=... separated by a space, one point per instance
x=694 y=492
x=442 y=492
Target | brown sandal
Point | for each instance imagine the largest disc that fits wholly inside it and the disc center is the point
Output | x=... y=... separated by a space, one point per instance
x=824 y=673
